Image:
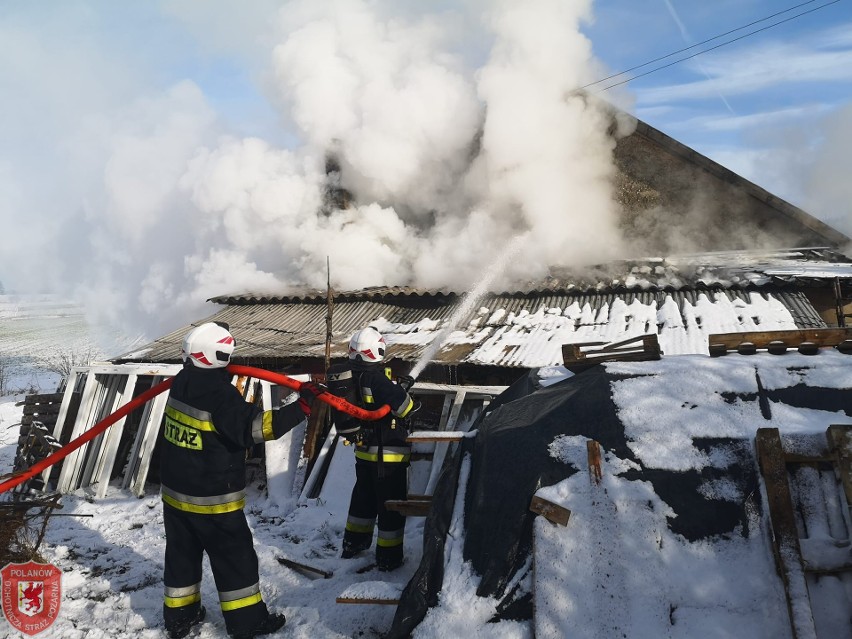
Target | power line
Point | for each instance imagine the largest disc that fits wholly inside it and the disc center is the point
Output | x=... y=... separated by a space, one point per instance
x=697 y=44
x=670 y=64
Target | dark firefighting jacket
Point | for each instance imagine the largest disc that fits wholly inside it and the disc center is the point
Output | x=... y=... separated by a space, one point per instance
x=384 y=439
x=207 y=428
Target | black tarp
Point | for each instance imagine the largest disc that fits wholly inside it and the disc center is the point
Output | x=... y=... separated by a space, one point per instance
x=511 y=460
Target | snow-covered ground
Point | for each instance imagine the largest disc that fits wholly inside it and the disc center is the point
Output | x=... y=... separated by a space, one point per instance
x=111 y=552
x=617 y=547
x=111 y=555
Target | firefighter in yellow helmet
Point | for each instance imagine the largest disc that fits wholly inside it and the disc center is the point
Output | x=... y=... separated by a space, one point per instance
x=381 y=452
x=208 y=429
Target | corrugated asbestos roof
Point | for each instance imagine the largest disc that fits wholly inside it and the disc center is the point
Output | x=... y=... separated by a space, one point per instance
x=683 y=299
x=504 y=329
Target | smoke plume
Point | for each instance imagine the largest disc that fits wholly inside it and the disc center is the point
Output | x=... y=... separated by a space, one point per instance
x=446 y=134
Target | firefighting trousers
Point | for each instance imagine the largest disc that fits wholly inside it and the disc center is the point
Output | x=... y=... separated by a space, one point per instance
x=228 y=542
x=368 y=503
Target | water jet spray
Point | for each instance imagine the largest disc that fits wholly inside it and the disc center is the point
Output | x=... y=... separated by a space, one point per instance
x=471 y=299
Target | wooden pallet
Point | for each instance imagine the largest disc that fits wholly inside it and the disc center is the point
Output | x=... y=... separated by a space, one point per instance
x=585 y=354
x=807 y=341
x=793 y=566
x=41 y=408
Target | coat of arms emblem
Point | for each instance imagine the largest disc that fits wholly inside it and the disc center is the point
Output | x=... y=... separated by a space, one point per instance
x=30 y=595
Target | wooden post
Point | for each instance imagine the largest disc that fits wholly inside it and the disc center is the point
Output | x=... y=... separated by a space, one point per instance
x=593 y=449
x=329 y=313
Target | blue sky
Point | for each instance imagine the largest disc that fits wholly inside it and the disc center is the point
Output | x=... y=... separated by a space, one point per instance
x=148 y=147
x=760 y=106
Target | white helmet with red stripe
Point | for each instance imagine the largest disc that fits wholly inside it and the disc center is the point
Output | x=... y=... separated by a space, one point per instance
x=209 y=345
x=367 y=345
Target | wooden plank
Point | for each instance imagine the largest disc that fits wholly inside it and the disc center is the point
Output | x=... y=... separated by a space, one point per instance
x=356 y=600
x=68 y=398
x=593 y=449
x=308 y=487
x=300 y=567
x=105 y=405
x=41 y=409
x=415 y=508
x=840 y=439
x=109 y=450
x=70 y=465
x=633 y=356
x=146 y=440
x=452 y=409
x=792 y=339
x=435 y=436
x=552 y=512
x=458 y=402
x=786 y=548
x=43 y=398
x=445 y=411
x=631 y=340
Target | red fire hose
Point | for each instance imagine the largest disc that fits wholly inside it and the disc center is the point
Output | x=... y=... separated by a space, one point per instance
x=332 y=400
x=258 y=373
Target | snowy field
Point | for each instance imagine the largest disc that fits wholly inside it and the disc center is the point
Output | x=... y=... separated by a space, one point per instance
x=39 y=332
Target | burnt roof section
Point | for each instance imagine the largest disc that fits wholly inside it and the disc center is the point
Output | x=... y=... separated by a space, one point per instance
x=799 y=267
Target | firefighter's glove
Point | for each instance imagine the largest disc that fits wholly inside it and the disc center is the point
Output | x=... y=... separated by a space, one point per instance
x=353 y=438
x=311 y=390
x=406 y=381
x=308 y=392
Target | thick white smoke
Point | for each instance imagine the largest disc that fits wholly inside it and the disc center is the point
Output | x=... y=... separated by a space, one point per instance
x=448 y=148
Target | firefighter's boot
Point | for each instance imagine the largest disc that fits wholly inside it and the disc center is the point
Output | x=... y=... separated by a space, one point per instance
x=179 y=630
x=269 y=625
x=352 y=548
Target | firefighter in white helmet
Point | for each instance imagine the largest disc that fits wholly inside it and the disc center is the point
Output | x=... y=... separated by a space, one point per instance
x=381 y=452
x=208 y=429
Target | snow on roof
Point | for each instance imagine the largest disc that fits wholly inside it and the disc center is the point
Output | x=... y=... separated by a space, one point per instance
x=508 y=331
